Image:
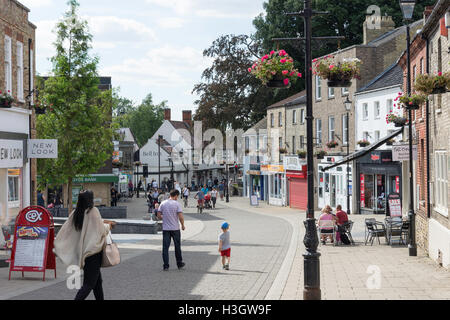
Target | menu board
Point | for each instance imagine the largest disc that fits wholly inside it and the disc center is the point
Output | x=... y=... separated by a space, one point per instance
x=395 y=205
x=254 y=200
x=30 y=247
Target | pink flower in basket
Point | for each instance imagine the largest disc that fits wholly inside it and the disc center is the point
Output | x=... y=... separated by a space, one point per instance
x=286 y=82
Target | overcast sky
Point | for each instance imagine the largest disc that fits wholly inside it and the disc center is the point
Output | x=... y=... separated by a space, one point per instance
x=148 y=46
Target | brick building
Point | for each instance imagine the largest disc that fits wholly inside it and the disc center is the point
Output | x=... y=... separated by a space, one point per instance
x=381 y=48
x=17 y=123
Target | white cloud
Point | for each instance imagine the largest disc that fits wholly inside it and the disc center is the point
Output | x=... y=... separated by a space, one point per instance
x=170 y=23
x=31 y=4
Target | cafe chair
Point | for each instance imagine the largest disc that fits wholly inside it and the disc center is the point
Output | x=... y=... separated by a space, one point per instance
x=374 y=230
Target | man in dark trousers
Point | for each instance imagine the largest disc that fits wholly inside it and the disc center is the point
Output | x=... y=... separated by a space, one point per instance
x=171 y=213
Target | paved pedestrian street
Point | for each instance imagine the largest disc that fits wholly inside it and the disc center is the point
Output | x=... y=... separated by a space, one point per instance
x=266 y=263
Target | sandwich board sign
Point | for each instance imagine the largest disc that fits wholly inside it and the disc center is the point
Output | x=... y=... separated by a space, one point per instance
x=394 y=205
x=34 y=235
x=254 y=200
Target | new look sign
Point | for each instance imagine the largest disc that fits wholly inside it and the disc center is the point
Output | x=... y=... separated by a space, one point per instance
x=42 y=149
x=11 y=154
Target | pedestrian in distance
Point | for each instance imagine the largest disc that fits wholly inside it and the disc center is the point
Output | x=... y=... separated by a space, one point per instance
x=221 y=190
x=113 y=197
x=186 y=193
x=225 y=246
x=81 y=242
x=172 y=216
x=40 y=199
x=200 y=196
x=214 y=197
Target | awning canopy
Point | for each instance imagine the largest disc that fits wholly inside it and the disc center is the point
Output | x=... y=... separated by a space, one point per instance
x=363 y=152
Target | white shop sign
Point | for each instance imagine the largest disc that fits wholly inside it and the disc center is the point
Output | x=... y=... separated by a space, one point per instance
x=42 y=149
x=11 y=154
x=401 y=153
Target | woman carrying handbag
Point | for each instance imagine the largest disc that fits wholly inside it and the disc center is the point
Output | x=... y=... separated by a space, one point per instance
x=83 y=241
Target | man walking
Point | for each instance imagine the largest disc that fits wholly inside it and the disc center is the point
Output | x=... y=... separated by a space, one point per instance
x=171 y=214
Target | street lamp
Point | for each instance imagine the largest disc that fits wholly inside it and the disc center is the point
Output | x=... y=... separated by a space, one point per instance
x=227 y=195
x=171 y=171
x=160 y=137
x=407 y=7
x=348 y=108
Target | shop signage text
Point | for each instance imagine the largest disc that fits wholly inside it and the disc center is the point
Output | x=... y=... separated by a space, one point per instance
x=401 y=153
x=42 y=148
x=11 y=154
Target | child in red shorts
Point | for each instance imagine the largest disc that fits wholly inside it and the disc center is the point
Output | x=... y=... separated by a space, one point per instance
x=225 y=246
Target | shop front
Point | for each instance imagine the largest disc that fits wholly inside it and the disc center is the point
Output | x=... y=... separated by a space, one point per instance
x=296 y=182
x=378 y=177
x=276 y=185
x=100 y=184
x=333 y=184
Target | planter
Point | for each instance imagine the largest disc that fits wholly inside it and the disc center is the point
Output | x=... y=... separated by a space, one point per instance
x=390 y=143
x=320 y=157
x=277 y=82
x=6 y=105
x=363 y=145
x=412 y=107
x=339 y=83
x=400 y=122
x=440 y=90
x=39 y=110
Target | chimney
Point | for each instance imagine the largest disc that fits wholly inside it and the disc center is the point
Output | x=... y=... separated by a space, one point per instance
x=427 y=12
x=187 y=117
x=376 y=26
x=167 y=115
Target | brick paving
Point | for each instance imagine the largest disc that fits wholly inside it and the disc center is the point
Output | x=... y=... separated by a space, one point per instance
x=346 y=271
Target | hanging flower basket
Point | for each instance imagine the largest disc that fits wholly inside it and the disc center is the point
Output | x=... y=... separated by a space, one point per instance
x=301 y=154
x=397 y=120
x=332 y=144
x=40 y=110
x=6 y=100
x=321 y=155
x=412 y=102
x=338 y=74
x=432 y=84
x=275 y=70
x=282 y=150
x=390 y=142
x=363 y=143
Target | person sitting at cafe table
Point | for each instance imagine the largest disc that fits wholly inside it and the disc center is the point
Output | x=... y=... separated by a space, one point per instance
x=326 y=224
x=342 y=218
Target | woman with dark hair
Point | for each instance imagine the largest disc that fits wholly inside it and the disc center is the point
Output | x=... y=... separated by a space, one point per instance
x=81 y=242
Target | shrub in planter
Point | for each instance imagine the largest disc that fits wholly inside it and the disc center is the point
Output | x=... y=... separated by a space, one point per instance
x=338 y=74
x=321 y=154
x=429 y=84
x=282 y=150
x=275 y=70
x=411 y=102
x=301 y=154
x=363 y=143
x=6 y=100
x=332 y=144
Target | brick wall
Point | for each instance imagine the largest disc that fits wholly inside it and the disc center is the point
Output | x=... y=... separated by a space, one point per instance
x=14 y=23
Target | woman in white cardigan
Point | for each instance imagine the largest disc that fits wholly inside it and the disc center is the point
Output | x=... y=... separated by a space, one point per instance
x=81 y=241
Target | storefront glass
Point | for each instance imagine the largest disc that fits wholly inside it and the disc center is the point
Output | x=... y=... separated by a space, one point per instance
x=276 y=185
x=13 y=188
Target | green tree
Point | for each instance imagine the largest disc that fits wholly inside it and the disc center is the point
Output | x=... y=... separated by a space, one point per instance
x=230 y=97
x=79 y=115
x=146 y=119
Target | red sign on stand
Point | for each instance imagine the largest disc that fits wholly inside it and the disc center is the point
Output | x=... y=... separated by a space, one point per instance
x=34 y=235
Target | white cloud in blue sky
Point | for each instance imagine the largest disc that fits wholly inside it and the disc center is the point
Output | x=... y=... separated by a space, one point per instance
x=149 y=46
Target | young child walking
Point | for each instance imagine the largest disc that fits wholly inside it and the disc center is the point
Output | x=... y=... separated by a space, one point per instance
x=225 y=246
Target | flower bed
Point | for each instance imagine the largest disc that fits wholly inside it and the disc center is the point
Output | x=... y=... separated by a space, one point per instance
x=6 y=100
x=338 y=74
x=275 y=70
x=429 y=84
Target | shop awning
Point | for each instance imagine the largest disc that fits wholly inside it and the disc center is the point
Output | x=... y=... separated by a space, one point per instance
x=366 y=150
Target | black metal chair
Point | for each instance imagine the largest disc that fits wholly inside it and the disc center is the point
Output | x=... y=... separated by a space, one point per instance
x=374 y=229
x=405 y=232
x=347 y=229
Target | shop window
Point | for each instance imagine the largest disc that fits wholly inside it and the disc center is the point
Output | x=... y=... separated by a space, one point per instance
x=13 y=188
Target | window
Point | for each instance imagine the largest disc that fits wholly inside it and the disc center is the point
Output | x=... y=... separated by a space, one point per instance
x=302 y=116
x=280 y=119
x=330 y=92
x=302 y=142
x=32 y=75
x=331 y=129
x=377 y=109
x=421 y=65
x=365 y=111
x=293 y=145
x=319 y=131
x=294 y=116
x=13 y=188
x=377 y=135
x=344 y=91
x=318 y=88
x=8 y=65
x=389 y=106
x=20 y=71
x=414 y=74
x=247 y=144
x=280 y=142
x=365 y=135
x=272 y=120
x=441 y=183
x=345 y=129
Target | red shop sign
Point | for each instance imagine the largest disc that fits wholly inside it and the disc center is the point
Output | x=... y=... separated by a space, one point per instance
x=397 y=184
x=34 y=235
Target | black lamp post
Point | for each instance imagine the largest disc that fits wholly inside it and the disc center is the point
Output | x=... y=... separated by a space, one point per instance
x=171 y=171
x=348 y=108
x=407 y=7
x=160 y=137
x=227 y=195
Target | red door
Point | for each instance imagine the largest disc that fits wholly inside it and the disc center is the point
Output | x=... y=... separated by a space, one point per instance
x=298 y=193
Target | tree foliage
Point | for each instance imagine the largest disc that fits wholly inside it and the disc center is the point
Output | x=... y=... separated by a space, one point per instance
x=78 y=114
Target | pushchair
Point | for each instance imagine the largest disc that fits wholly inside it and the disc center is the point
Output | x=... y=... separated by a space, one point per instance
x=208 y=203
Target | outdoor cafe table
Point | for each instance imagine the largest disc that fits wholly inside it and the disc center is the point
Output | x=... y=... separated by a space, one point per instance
x=394 y=224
